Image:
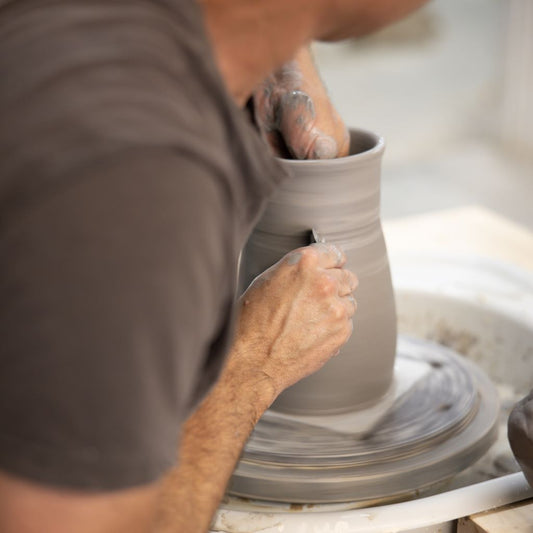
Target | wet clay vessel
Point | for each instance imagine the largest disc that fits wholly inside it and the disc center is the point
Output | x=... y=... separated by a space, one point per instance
x=339 y=198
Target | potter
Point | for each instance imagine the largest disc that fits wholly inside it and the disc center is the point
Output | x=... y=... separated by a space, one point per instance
x=339 y=198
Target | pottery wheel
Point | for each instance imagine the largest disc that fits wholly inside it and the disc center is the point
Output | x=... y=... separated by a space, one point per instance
x=442 y=423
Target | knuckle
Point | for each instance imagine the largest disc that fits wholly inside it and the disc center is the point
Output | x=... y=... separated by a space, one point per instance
x=351 y=279
x=309 y=256
x=352 y=304
x=321 y=247
x=327 y=286
x=338 y=311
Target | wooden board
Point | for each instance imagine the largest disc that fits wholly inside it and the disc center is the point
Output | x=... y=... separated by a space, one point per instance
x=517 y=518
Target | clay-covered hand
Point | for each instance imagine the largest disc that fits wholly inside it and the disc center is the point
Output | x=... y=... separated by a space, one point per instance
x=294 y=317
x=295 y=115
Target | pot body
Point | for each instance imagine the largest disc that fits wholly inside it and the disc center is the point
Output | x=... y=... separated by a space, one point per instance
x=340 y=198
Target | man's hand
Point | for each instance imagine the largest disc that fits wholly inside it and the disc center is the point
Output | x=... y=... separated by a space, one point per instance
x=295 y=115
x=295 y=316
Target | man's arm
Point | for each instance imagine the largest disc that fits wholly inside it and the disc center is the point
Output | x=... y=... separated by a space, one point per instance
x=26 y=507
x=293 y=319
x=97 y=301
x=213 y=439
x=252 y=39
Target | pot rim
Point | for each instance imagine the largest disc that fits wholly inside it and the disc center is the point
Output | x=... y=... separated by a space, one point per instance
x=376 y=151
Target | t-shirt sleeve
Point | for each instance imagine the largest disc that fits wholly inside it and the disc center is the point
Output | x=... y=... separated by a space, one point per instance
x=114 y=286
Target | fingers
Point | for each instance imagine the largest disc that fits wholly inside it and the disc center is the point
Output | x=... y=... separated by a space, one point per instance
x=350 y=305
x=333 y=281
x=322 y=147
x=336 y=281
x=329 y=255
x=295 y=115
x=347 y=281
x=306 y=133
x=299 y=315
x=323 y=255
x=310 y=124
x=345 y=309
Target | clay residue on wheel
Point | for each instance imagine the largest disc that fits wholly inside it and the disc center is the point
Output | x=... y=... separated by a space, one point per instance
x=460 y=341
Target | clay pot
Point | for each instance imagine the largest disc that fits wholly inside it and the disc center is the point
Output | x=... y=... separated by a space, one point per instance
x=340 y=198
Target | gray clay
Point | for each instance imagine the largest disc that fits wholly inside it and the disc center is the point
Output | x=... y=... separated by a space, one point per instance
x=341 y=199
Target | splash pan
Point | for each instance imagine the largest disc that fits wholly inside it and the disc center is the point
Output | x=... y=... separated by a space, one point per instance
x=480 y=308
x=444 y=422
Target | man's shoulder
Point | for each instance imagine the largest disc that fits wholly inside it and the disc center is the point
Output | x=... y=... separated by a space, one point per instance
x=91 y=78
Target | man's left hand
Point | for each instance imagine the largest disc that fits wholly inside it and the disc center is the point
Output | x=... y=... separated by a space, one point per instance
x=295 y=115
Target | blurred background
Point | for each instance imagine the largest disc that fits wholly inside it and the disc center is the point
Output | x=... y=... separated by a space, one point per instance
x=451 y=90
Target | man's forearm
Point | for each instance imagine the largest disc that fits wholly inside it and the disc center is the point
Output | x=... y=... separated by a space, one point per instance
x=292 y=320
x=211 y=443
x=251 y=39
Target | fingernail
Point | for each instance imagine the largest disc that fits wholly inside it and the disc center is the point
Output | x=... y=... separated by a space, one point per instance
x=325 y=147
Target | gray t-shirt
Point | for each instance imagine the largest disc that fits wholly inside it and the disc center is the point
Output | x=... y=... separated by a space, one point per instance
x=128 y=183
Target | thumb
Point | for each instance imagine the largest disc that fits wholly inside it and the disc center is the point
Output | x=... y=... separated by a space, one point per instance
x=297 y=125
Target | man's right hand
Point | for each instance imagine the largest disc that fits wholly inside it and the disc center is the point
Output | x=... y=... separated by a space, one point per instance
x=294 y=318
